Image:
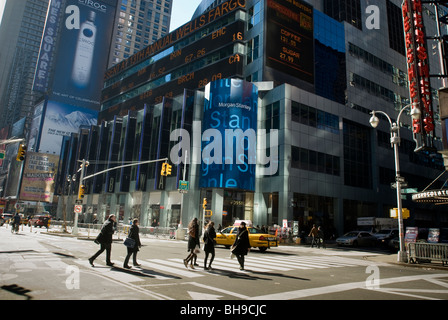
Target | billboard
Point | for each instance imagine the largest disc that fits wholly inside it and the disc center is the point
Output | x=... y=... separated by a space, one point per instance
x=289 y=35
x=75 y=57
x=229 y=133
x=38 y=177
x=61 y=119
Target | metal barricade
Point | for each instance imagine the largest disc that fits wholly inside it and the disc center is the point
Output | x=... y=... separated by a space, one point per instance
x=427 y=252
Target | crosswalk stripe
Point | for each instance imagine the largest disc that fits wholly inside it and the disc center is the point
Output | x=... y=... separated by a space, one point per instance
x=297 y=264
x=56 y=264
x=167 y=266
x=247 y=264
x=107 y=271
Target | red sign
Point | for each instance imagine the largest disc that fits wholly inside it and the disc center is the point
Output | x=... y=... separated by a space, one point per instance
x=417 y=61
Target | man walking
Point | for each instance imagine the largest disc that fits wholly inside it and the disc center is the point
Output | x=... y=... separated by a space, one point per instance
x=105 y=240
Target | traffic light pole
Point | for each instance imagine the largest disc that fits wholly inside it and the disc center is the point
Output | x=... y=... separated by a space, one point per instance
x=75 y=222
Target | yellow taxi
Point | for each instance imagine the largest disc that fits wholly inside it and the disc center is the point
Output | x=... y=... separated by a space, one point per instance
x=257 y=238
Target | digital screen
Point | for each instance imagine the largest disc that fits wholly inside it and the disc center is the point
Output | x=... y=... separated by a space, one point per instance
x=229 y=130
x=289 y=38
x=228 y=67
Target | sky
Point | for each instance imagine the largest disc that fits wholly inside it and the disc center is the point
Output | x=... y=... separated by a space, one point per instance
x=181 y=12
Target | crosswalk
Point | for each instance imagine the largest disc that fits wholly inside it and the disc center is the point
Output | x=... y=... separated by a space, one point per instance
x=173 y=268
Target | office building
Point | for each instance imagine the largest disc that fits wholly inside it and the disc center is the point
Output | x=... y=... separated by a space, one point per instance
x=317 y=69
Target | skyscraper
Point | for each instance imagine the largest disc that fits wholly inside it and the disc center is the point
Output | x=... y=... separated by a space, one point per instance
x=20 y=35
x=138 y=24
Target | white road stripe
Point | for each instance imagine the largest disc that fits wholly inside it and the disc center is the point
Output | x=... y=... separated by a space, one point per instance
x=167 y=266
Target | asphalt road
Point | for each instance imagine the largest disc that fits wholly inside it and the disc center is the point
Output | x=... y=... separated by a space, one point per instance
x=37 y=265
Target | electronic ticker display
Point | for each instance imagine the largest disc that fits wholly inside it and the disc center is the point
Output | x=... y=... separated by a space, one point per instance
x=177 y=59
x=289 y=38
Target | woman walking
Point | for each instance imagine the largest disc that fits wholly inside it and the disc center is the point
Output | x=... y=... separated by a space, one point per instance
x=241 y=246
x=133 y=234
x=193 y=241
x=209 y=244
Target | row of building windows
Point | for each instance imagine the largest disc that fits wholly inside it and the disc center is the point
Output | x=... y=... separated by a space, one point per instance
x=314 y=118
x=311 y=160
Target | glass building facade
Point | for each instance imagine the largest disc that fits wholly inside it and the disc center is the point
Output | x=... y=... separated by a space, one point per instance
x=330 y=168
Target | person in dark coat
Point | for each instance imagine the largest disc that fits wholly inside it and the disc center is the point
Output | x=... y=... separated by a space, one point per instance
x=133 y=234
x=105 y=240
x=209 y=244
x=193 y=241
x=241 y=246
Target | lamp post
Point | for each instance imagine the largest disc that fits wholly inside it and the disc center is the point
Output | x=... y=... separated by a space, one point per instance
x=395 y=141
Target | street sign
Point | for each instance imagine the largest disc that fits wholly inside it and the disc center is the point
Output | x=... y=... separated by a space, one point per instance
x=78 y=209
x=2 y=155
x=393 y=185
x=184 y=186
x=394 y=213
x=208 y=213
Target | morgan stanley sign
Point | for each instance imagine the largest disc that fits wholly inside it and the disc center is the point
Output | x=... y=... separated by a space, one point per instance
x=228 y=144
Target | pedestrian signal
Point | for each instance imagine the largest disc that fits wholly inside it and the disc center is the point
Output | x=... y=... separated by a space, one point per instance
x=82 y=190
x=21 y=153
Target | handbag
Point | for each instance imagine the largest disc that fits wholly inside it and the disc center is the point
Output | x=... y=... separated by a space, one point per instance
x=197 y=250
x=129 y=242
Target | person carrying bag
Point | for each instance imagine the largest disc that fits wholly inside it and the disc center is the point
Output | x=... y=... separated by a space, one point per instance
x=133 y=244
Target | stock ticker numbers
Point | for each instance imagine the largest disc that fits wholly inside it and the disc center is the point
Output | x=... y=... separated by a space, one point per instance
x=290 y=38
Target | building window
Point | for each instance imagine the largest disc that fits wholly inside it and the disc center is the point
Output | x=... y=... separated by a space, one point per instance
x=272 y=113
x=396 y=32
x=310 y=116
x=344 y=10
x=315 y=161
x=357 y=155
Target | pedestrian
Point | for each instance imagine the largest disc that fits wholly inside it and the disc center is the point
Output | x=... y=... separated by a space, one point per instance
x=320 y=235
x=133 y=234
x=16 y=222
x=241 y=246
x=105 y=240
x=193 y=241
x=314 y=234
x=209 y=244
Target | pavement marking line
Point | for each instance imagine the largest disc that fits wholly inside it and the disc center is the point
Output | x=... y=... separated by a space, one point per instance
x=109 y=272
x=230 y=293
x=297 y=264
x=266 y=263
x=271 y=262
x=247 y=264
x=166 y=266
x=306 y=293
x=57 y=264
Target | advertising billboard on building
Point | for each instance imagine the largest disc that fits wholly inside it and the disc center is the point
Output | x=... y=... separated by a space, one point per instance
x=74 y=51
x=61 y=119
x=229 y=133
x=82 y=52
x=38 y=177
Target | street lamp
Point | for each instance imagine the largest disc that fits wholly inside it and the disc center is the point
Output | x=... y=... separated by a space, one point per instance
x=395 y=141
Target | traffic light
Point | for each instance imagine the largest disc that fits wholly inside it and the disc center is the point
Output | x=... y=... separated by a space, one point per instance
x=21 y=153
x=163 y=172
x=168 y=169
x=82 y=190
x=204 y=203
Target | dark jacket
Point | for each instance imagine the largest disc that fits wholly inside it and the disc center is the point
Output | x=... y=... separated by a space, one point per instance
x=193 y=236
x=107 y=230
x=241 y=244
x=134 y=234
x=209 y=239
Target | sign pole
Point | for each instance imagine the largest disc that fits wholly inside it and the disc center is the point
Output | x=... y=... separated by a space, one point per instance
x=75 y=223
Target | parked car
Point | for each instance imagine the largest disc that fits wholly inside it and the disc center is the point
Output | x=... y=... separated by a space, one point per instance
x=257 y=238
x=4 y=218
x=385 y=235
x=40 y=221
x=357 y=238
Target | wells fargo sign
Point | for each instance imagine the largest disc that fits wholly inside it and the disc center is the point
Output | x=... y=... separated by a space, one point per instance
x=418 y=67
